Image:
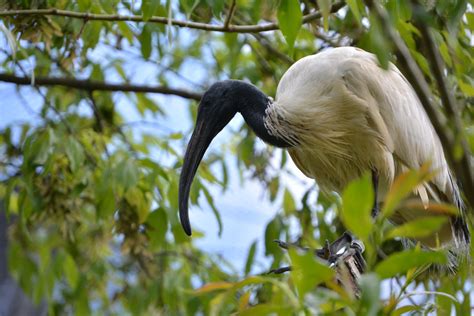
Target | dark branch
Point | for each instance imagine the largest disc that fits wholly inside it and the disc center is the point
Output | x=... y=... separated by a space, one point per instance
x=93 y=85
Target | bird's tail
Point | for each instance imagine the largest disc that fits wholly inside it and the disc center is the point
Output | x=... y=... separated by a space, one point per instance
x=453 y=236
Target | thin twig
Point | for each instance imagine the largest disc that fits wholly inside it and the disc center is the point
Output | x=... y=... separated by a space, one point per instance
x=229 y=15
x=162 y=20
x=93 y=85
x=272 y=50
x=96 y=111
x=325 y=38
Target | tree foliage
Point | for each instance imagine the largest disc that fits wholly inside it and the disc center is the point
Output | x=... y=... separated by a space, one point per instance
x=92 y=195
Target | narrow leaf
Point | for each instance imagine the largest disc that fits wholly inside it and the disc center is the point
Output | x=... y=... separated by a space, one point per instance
x=325 y=9
x=402 y=187
x=401 y=262
x=354 y=6
x=214 y=286
x=75 y=153
x=289 y=19
x=418 y=228
x=288 y=202
x=308 y=272
x=71 y=272
x=358 y=201
x=370 y=300
x=149 y=8
x=250 y=257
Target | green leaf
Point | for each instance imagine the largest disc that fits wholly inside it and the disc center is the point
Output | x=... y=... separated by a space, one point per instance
x=158 y=221
x=378 y=42
x=273 y=187
x=84 y=5
x=403 y=185
x=289 y=19
x=92 y=33
x=145 y=103
x=217 y=6
x=189 y=6
x=149 y=8
x=354 y=6
x=272 y=232
x=325 y=9
x=250 y=258
x=288 y=202
x=214 y=286
x=127 y=173
x=75 y=153
x=370 y=299
x=267 y=309
x=307 y=271
x=70 y=270
x=246 y=150
x=418 y=228
x=404 y=310
x=126 y=31
x=106 y=201
x=145 y=42
x=140 y=202
x=210 y=200
x=37 y=147
x=357 y=204
x=467 y=87
x=401 y=262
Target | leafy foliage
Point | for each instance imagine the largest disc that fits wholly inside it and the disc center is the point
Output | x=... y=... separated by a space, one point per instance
x=92 y=195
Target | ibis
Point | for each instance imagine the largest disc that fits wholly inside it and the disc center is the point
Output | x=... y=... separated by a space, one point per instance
x=339 y=115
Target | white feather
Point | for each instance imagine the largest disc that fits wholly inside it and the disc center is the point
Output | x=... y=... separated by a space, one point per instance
x=346 y=115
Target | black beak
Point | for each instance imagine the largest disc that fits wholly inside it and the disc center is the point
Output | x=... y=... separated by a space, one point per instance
x=200 y=140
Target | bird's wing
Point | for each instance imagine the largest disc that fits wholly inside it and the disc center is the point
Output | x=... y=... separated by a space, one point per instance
x=397 y=114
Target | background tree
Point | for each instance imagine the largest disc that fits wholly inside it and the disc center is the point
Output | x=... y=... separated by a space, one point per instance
x=89 y=165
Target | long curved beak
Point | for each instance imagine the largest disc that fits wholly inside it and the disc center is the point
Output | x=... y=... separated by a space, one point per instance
x=200 y=140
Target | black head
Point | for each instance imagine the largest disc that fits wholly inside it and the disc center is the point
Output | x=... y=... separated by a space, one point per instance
x=217 y=107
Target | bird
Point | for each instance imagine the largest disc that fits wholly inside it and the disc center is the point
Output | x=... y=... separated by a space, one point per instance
x=339 y=114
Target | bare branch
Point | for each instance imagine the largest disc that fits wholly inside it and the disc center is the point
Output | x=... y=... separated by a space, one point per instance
x=422 y=89
x=163 y=20
x=93 y=85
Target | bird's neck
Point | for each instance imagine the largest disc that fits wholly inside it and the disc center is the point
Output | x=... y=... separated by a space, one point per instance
x=252 y=104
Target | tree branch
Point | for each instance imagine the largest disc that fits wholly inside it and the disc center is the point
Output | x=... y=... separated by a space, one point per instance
x=230 y=14
x=163 y=20
x=93 y=85
x=422 y=89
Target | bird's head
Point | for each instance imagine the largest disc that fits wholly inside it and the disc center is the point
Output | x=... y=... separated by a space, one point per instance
x=217 y=107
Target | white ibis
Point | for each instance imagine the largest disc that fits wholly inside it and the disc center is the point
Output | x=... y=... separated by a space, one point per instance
x=339 y=114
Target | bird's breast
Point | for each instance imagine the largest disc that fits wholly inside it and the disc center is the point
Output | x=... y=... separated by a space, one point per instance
x=334 y=138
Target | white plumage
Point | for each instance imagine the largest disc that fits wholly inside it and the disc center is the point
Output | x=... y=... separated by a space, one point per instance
x=346 y=115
